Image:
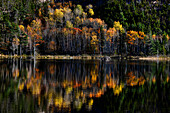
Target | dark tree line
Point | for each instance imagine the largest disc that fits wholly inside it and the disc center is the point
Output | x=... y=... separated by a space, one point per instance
x=148 y=16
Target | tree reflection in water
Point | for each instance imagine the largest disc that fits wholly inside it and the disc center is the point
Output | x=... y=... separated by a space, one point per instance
x=77 y=86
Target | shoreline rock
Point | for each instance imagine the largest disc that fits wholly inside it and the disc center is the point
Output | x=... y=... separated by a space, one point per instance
x=86 y=57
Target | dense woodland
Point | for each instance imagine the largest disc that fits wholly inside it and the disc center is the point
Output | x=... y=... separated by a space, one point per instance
x=112 y=27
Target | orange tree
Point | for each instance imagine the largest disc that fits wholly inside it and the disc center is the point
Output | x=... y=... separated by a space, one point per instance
x=135 y=41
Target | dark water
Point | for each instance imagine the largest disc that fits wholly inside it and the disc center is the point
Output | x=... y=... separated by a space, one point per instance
x=84 y=86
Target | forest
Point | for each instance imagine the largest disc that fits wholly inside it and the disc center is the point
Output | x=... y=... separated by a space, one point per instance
x=112 y=27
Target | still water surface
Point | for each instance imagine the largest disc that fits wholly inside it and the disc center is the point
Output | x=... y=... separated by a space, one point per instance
x=84 y=86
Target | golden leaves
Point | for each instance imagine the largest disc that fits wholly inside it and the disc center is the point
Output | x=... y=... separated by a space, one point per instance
x=67 y=10
x=85 y=29
x=69 y=90
x=141 y=35
x=77 y=20
x=69 y=24
x=15 y=73
x=118 y=26
x=167 y=79
x=97 y=21
x=21 y=86
x=91 y=12
x=16 y=41
x=36 y=25
x=118 y=89
x=58 y=14
x=154 y=79
x=110 y=33
x=36 y=89
x=133 y=80
x=90 y=102
x=132 y=36
x=58 y=102
x=94 y=40
x=28 y=28
x=39 y=12
x=21 y=27
x=153 y=36
x=167 y=36
x=94 y=74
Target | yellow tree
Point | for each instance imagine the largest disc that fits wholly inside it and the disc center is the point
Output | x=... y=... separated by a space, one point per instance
x=118 y=27
x=58 y=15
x=94 y=42
x=91 y=12
x=69 y=24
x=120 y=36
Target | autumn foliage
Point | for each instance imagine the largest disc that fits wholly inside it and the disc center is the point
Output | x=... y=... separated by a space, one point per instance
x=71 y=29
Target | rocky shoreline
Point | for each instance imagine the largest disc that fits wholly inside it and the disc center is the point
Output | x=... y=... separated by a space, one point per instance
x=86 y=57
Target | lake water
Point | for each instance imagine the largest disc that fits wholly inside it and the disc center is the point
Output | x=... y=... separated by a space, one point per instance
x=84 y=86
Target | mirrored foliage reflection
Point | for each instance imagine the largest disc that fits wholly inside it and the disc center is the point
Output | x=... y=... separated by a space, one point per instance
x=84 y=86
